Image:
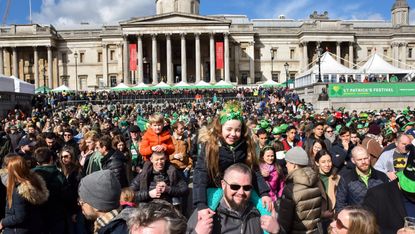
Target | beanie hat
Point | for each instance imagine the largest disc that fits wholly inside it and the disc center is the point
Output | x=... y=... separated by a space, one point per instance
x=101 y=190
x=297 y=156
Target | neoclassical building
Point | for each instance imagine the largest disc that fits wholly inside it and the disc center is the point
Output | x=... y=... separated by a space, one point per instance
x=177 y=44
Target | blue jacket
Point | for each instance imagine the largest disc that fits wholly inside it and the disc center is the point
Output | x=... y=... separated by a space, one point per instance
x=352 y=190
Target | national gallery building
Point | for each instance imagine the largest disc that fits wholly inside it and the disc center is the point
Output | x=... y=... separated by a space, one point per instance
x=178 y=44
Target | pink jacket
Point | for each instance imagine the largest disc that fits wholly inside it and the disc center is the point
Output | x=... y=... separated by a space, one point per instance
x=275 y=181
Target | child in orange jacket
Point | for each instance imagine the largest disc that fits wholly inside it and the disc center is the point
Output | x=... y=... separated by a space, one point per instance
x=155 y=139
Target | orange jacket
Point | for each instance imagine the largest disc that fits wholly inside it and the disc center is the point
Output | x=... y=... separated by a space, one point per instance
x=151 y=139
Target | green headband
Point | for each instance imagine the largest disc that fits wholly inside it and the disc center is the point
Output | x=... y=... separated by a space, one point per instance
x=231 y=111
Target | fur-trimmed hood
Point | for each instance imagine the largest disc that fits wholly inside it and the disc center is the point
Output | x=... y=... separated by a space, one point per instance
x=27 y=191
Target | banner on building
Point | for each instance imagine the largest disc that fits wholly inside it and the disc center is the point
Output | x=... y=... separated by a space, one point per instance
x=133 y=57
x=219 y=55
x=371 y=90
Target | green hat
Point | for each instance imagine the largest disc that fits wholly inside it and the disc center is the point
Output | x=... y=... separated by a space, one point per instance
x=363 y=116
x=407 y=176
x=123 y=123
x=231 y=111
x=264 y=124
x=280 y=129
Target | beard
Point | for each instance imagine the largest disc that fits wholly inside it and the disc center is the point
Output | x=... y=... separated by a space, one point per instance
x=237 y=205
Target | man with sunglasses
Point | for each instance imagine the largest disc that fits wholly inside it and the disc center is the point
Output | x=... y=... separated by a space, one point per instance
x=236 y=213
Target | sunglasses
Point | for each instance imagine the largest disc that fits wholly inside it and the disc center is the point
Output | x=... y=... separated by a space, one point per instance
x=329 y=131
x=67 y=134
x=236 y=187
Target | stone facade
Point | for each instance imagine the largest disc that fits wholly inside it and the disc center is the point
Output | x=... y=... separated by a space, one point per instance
x=178 y=44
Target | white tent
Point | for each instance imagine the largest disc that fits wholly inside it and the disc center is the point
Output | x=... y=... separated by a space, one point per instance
x=21 y=86
x=120 y=87
x=62 y=88
x=331 y=70
x=140 y=86
x=377 y=65
x=182 y=85
x=6 y=84
x=161 y=85
x=270 y=83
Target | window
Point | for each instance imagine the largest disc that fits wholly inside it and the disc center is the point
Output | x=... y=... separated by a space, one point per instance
x=292 y=53
x=64 y=58
x=385 y=52
x=192 y=8
x=65 y=80
x=83 y=85
x=113 y=80
x=81 y=57
x=276 y=76
x=369 y=51
x=100 y=81
x=99 y=57
x=112 y=55
x=409 y=52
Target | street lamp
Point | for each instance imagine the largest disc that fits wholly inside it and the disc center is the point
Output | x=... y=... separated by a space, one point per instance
x=76 y=70
x=286 y=66
x=44 y=81
x=272 y=63
x=319 y=54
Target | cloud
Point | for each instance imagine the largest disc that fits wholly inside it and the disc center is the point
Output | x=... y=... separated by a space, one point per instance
x=73 y=12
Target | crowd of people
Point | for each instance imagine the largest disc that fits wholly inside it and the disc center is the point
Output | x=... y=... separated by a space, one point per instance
x=205 y=165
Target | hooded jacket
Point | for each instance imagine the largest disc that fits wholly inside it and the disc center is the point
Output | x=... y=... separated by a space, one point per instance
x=25 y=213
x=300 y=202
x=151 y=139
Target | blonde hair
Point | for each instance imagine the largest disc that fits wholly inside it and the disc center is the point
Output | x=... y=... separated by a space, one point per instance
x=156 y=118
x=361 y=221
x=127 y=195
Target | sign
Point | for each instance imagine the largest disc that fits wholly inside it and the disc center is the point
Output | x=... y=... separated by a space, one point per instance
x=345 y=90
x=219 y=55
x=133 y=57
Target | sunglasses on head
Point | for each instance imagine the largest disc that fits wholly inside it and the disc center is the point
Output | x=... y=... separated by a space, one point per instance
x=236 y=187
x=339 y=224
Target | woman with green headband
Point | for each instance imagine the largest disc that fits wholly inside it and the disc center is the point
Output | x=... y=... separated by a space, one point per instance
x=225 y=142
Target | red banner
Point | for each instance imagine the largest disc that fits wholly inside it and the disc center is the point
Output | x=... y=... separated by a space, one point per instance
x=219 y=55
x=133 y=57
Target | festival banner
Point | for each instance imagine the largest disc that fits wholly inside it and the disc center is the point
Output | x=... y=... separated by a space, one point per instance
x=353 y=90
x=219 y=55
x=133 y=57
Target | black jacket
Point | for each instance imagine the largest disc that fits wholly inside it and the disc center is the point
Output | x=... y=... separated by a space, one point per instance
x=342 y=157
x=386 y=203
x=352 y=190
x=147 y=180
x=25 y=213
x=227 y=157
x=116 y=162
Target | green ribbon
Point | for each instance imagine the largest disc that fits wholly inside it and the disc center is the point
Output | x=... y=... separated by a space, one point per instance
x=231 y=116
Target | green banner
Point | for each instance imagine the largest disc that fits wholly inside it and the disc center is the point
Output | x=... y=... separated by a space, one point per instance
x=371 y=90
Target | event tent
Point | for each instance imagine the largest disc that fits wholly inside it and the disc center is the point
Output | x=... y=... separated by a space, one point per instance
x=120 y=87
x=270 y=83
x=377 y=65
x=42 y=89
x=141 y=86
x=21 y=86
x=223 y=85
x=331 y=70
x=182 y=85
x=202 y=85
x=161 y=85
x=6 y=84
x=62 y=88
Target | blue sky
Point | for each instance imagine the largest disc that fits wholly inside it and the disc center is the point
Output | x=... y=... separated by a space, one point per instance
x=70 y=12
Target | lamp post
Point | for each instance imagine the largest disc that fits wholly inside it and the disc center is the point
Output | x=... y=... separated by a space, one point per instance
x=286 y=66
x=76 y=70
x=319 y=54
x=272 y=62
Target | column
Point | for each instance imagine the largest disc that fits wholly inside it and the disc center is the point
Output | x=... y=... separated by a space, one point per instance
x=126 y=77
x=1 y=61
x=351 y=55
x=212 y=58
x=169 y=60
x=154 y=57
x=404 y=55
x=14 y=58
x=227 y=72
x=105 y=64
x=305 y=56
x=237 y=49
x=251 y=54
x=50 y=74
x=395 y=53
x=140 y=59
x=184 y=62
x=338 y=51
x=197 y=58
x=36 y=66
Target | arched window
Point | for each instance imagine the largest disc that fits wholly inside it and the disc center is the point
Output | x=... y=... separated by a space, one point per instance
x=176 y=5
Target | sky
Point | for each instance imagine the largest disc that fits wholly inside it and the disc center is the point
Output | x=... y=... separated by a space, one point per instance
x=73 y=12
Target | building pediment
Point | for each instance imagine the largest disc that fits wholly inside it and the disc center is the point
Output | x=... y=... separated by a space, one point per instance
x=175 y=19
